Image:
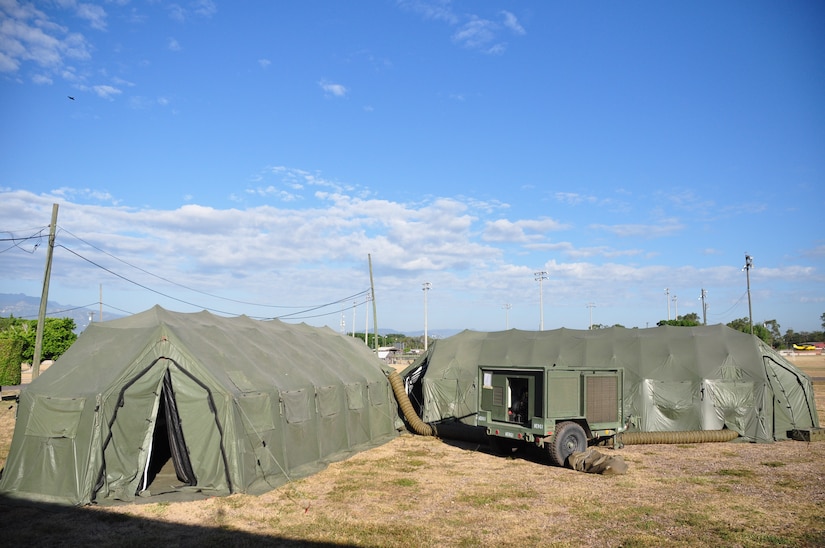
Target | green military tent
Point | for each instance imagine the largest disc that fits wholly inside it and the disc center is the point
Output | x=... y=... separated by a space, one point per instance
x=231 y=405
x=675 y=378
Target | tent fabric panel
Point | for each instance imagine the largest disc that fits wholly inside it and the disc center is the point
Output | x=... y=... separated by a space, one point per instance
x=671 y=406
x=55 y=417
x=131 y=414
x=200 y=419
x=734 y=403
x=332 y=411
x=381 y=422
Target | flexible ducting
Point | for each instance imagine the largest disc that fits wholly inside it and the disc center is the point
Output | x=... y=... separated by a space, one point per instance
x=420 y=427
x=692 y=436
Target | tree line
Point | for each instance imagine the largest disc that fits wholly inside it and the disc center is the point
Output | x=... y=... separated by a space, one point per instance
x=767 y=330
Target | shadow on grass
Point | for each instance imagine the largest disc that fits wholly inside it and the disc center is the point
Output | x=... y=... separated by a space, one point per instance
x=26 y=523
x=475 y=438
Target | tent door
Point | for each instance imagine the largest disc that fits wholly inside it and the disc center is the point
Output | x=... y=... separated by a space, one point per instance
x=168 y=454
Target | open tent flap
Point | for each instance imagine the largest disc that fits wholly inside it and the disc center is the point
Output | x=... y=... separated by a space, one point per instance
x=193 y=433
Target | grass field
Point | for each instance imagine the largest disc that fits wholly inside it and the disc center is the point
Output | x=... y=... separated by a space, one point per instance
x=418 y=491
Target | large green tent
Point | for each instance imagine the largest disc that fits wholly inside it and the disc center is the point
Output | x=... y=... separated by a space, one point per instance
x=235 y=405
x=676 y=378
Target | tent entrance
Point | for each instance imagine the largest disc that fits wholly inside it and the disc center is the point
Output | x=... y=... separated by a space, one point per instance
x=167 y=462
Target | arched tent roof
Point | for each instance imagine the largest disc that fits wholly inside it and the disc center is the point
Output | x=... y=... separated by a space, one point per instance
x=676 y=378
x=256 y=403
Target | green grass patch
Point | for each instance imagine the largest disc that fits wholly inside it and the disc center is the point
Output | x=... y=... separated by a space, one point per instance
x=736 y=472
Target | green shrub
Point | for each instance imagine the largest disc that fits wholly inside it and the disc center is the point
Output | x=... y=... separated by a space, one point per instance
x=11 y=355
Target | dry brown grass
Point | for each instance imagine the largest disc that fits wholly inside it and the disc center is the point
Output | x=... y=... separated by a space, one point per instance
x=424 y=491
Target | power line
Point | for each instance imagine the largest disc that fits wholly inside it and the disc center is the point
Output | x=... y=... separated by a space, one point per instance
x=55 y=312
x=16 y=241
x=147 y=288
x=178 y=284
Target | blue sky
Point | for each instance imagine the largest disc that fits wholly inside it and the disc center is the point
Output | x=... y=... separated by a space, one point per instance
x=247 y=158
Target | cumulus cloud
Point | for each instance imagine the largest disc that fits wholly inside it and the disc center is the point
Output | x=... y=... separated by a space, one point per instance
x=29 y=35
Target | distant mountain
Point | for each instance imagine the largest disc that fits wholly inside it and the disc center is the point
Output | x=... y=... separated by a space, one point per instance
x=23 y=306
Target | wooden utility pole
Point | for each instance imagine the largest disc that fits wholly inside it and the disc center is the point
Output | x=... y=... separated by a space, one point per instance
x=374 y=309
x=44 y=297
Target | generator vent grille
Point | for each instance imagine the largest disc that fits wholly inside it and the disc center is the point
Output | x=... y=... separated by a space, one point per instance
x=602 y=399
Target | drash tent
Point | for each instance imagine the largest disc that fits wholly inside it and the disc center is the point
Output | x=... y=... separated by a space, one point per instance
x=235 y=405
x=676 y=378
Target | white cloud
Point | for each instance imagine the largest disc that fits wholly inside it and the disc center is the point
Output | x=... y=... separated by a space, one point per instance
x=503 y=230
x=330 y=88
x=264 y=63
x=511 y=22
x=666 y=228
x=173 y=45
x=106 y=91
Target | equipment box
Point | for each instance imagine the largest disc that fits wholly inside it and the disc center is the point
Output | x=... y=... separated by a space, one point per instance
x=807 y=434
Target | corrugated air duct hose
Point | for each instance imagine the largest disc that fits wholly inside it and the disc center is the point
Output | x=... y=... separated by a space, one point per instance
x=692 y=436
x=420 y=427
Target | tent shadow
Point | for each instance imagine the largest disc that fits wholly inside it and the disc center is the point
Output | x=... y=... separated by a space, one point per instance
x=27 y=523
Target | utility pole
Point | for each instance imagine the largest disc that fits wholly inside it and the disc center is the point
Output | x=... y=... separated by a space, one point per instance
x=44 y=297
x=704 y=307
x=426 y=288
x=507 y=308
x=354 y=305
x=747 y=268
x=667 y=298
x=590 y=306
x=540 y=276
x=366 y=320
x=374 y=309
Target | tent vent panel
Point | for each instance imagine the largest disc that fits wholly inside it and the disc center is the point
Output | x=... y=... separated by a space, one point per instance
x=55 y=417
x=296 y=405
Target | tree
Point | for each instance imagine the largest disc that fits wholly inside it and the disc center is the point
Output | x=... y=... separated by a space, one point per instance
x=680 y=323
x=690 y=317
x=773 y=327
x=743 y=325
x=822 y=317
x=58 y=336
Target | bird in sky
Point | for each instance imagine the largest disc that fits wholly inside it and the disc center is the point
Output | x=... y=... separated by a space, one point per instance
x=70 y=97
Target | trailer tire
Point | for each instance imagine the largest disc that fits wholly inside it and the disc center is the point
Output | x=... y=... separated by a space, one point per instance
x=569 y=438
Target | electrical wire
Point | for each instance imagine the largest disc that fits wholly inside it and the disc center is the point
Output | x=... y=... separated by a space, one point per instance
x=147 y=288
x=55 y=312
x=16 y=241
x=176 y=283
x=726 y=312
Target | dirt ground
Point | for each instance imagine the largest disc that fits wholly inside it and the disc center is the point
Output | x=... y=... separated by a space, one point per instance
x=424 y=491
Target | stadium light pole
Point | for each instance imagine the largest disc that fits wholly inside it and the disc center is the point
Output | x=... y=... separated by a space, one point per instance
x=540 y=277
x=507 y=308
x=747 y=269
x=426 y=288
x=590 y=306
x=667 y=298
x=675 y=307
